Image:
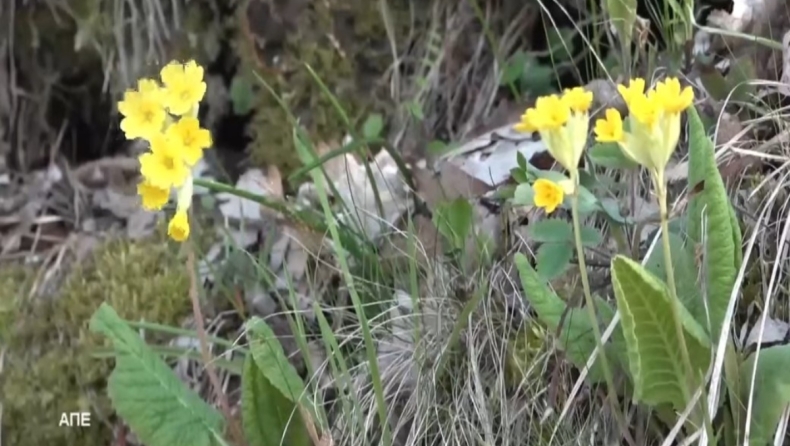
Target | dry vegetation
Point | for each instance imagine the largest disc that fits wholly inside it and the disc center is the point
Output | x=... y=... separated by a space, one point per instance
x=463 y=359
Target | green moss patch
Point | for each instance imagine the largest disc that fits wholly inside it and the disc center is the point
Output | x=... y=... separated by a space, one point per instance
x=50 y=366
x=345 y=43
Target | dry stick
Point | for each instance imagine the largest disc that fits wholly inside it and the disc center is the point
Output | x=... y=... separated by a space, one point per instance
x=235 y=429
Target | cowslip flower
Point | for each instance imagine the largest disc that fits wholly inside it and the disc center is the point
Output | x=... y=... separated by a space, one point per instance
x=176 y=143
x=548 y=194
x=153 y=197
x=563 y=124
x=654 y=123
x=163 y=167
x=143 y=110
x=191 y=138
x=184 y=86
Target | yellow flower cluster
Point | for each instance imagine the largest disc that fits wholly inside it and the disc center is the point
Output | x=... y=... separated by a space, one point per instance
x=563 y=124
x=654 y=120
x=166 y=116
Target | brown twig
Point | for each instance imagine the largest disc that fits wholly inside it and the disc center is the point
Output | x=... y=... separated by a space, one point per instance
x=235 y=429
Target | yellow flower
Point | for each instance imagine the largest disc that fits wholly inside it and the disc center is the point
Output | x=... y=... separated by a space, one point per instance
x=635 y=88
x=525 y=124
x=548 y=194
x=163 y=166
x=191 y=139
x=178 y=228
x=578 y=99
x=563 y=124
x=646 y=109
x=143 y=111
x=550 y=113
x=153 y=198
x=671 y=97
x=184 y=86
x=611 y=128
x=654 y=121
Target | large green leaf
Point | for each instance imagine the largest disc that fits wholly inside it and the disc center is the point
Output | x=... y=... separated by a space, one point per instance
x=270 y=358
x=577 y=338
x=145 y=392
x=722 y=238
x=771 y=390
x=270 y=419
x=686 y=273
x=651 y=339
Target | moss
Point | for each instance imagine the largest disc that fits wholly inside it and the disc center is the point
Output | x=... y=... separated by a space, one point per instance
x=49 y=364
x=345 y=43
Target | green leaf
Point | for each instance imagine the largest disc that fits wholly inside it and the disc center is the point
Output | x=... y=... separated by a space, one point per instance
x=553 y=258
x=611 y=207
x=537 y=78
x=686 y=273
x=622 y=14
x=241 y=95
x=145 y=392
x=270 y=358
x=373 y=126
x=771 y=390
x=524 y=195
x=577 y=338
x=454 y=220
x=521 y=161
x=651 y=339
x=740 y=78
x=514 y=68
x=550 y=230
x=588 y=202
x=269 y=417
x=712 y=205
x=438 y=147
x=415 y=109
x=519 y=175
x=610 y=156
x=560 y=43
x=590 y=236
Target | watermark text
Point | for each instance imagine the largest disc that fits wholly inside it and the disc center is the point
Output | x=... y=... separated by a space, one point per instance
x=75 y=419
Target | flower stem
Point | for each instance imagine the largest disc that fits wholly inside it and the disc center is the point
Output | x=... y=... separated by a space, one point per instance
x=673 y=295
x=590 y=304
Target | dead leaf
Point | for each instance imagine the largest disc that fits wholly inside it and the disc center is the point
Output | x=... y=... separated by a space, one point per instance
x=449 y=183
x=491 y=156
x=784 y=84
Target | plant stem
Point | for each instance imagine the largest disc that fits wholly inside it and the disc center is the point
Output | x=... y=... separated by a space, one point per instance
x=235 y=429
x=590 y=304
x=673 y=295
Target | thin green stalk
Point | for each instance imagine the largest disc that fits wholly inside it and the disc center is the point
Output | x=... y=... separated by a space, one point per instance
x=370 y=347
x=673 y=295
x=670 y=271
x=590 y=304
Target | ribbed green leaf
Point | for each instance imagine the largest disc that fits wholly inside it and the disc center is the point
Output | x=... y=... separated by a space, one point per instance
x=651 y=338
x=270 y=358
x=686 y=273
x=145 y=392
x=269 y=418
x=771 y=391
x=722 y=238
x=576 y=338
